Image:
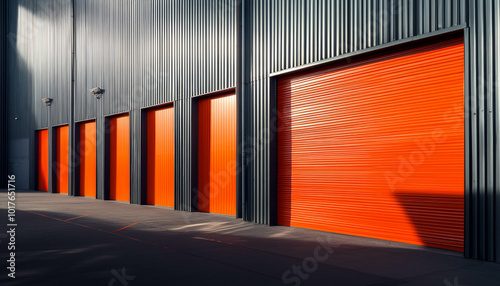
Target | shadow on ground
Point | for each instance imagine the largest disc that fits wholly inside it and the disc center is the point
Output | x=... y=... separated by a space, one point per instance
x=64 y=240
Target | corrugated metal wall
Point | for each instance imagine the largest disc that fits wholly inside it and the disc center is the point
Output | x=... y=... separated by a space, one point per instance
x=39 y=66
x=482 y=183
x=41 y=33
x=150 y=52
x=147 y=52
x=185 y=140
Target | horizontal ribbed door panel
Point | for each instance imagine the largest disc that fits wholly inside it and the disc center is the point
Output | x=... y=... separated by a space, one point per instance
x=43 y=160
x=88 y=159
x=160 y=157
x=217 y=154
x=119 y=165
x=62 y=166
x=375 y=148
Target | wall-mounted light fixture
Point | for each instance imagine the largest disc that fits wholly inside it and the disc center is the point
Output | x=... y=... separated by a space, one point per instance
x=47 y=101
x=97 y=92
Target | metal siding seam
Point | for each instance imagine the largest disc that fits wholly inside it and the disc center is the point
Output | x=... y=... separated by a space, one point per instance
x=481 y=132
x=473 y=135
x=468 y=248
x=489 y=129
x=496 y=95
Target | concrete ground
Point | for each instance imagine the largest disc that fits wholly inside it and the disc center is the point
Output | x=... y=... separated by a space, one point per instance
x=63 y=240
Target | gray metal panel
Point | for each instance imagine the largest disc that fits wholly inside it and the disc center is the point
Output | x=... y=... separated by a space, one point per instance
x=135 y=156
x=185 y=173
x=496 y=106
x=19 y=98
x=482 y=129
x=303 y=32
x=152 y=51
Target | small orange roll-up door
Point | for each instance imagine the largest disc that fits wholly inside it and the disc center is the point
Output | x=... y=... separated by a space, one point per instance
x=217 y=154
x=160 y=157
x=88 y=159
x=375 y=148
x=43 y=160
x=119 y=167
x=62 y=168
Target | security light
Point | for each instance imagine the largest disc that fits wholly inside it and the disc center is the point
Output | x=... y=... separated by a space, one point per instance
x=47 y=101
x=97 y=91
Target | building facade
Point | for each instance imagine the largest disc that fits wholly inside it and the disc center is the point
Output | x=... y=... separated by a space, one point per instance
x=377 y=118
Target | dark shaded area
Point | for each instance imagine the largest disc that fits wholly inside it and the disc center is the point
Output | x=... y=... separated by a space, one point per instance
x=80 y=241
x=203 y=147
x=428 y=226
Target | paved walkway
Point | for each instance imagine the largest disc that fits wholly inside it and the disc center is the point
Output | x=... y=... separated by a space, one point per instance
x=63 y=240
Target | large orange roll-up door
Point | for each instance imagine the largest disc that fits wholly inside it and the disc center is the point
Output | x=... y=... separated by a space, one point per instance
x=119 y=167
x=43 y=160
x=160 y=157
x=88 y=159
x=62 y=167
x=375 y=148
x=217 y=154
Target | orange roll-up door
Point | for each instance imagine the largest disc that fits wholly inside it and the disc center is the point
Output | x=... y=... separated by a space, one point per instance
x=160 y=157
x=375 y=148
x=119 y=167
x=62 y=167
x=43 y=160
x=88 y=159
x=217 y=154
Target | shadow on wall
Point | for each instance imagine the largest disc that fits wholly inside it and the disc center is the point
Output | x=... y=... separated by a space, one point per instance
x=20 y=117
x=33 y=73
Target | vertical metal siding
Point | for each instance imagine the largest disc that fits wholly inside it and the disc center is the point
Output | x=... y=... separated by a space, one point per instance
x=185 y=182
x=146 y=53
x=48 y=57
x=39 y=65
x=482 y=191
x=152 y=52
